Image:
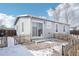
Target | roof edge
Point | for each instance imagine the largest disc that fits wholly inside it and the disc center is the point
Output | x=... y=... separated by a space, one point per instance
x=17 y=18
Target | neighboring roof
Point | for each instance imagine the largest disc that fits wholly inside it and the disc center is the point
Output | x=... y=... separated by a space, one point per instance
x=41 y=18
x=7 y=28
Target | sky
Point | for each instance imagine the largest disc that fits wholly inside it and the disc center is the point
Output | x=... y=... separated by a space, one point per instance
x=9 y=11
x=38 y=9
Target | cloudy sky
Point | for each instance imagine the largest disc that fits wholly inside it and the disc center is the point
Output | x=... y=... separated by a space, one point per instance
x=73 y=14
x=8 y=11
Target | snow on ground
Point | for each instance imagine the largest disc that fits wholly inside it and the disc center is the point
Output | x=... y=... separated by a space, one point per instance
x=17 y=50
x=14 y=50
x=20 y=50
x=43 y=52
x=46 y=52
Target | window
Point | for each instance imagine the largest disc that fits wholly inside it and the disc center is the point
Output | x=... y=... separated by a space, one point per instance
x=64 y=29
x=37 y=29
x=22 y=26
x=17 y=28
x=56 y=28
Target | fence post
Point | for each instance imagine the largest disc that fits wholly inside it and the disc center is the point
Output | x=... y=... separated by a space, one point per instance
x=6 y=42
x=15 y=40
x=62 y=50
x=1 y=41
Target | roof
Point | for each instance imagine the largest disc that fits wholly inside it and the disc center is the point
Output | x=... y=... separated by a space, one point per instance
x=7 y=28
x=41 y=18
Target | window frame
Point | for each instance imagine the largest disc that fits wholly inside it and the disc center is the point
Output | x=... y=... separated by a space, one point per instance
x=56 y=27
x=22 y=27
x=64 y=29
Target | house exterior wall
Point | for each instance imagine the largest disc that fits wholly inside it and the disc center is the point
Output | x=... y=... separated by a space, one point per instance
x=49 y=27
x=25 y=34
x=37 y=21
x=26 y=27
x=67 y=29
x=17 y=28
x=62 y=28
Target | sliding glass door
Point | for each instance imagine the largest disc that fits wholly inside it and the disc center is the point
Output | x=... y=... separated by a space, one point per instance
x=37 y=29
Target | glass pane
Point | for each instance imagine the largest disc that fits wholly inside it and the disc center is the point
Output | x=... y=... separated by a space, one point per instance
x=34 y=29
x=37 y=29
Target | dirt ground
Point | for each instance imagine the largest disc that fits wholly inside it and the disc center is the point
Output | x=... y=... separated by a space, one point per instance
x=42 y=45
x=38 y=46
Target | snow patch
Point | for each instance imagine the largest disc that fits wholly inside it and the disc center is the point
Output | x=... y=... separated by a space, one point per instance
x=43 y=52
x=14 y=50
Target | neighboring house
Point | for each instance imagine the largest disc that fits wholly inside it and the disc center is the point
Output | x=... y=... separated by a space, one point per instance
x=36 y=27
x=4 y=34
x=9 y=32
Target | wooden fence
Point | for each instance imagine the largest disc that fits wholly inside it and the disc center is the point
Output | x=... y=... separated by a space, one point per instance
x=63 y=36
x=71 y=49
x=3 y=42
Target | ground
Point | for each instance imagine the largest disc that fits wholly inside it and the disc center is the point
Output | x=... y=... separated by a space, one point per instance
x=47 y=48
x=14 y=50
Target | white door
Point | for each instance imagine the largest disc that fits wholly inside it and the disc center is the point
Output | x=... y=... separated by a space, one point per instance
x=10 y=41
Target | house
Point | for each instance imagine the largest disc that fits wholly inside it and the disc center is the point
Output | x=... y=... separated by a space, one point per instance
x=33 y=27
